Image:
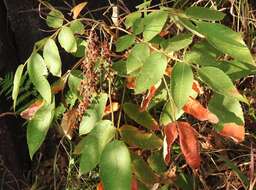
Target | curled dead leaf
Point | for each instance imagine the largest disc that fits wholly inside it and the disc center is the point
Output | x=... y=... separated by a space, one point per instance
x=108 y=110
x=233 y=131
x=189 y=144
x=171 y=135
x=68 y=123
x=146 y=100
x=32 y=109
x=194 y=108
x=77 y=9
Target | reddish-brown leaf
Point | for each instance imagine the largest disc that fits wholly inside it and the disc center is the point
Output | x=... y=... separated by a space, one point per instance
x=58 y=86
x=189 y=144
x=32 y=109
x=77 y=9
x=194 y=108
x=197 y=88
x=130 y=82
x=168 y=70
x=115 y=106
x=146 y=100
x=100 y=186
x=68 y=123
x=233 y=131
x=171 y=135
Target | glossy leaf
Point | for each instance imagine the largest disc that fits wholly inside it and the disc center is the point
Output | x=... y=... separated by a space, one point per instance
x=115 y=170
x=171 y=134
x=93 y=114
x=189 y=144
x=231 y=44
x=67 y=39
x=137 y=57
x=131 y=18
x=194 y=108
x=135 y=137
x=154 y=23
x=38 y=127
x=52 y=57
x=124 y=42
x=35 y=67
x=156 y=62
x=143 y=172
x=29 y=112
x=181 y=83
x=55 y=19
x=16 y=84
x=142 y=118
x=68 y=123
x=177 y=43
x=220 y=82
x=94 y=145
x=77 y=9
x=204 y=13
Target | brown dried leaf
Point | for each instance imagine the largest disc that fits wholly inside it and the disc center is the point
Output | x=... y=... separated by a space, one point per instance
x=197 y=88
x=100 y=186
x=108 y=110
x=171 y=135
x=68 y=123
x=233 y=131
x=32 y=109
x=146 y=100
x=130 y=82
x=194 y=108
x=77 y=9
x=189 y=144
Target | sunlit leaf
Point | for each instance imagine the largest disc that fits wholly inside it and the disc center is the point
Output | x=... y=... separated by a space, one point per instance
x=142 y=118
x=52 y=57
x=67 y=39
x=77 y=9
x=124 y=42
x=130 y=19
x=93 y=114
x=16 y=84
x=156 y=62
x=38 y=127
x=204 y=13
x=29 y=112
x=55 y=19
x=94 y=145
x=115 y=167
x=181 y=83
x=139 y=138
x=36 y=67
x=171 y=134
x=189 y=144
x=194 y=108
x=154 y=23
x=177 y=43
x=233 y=131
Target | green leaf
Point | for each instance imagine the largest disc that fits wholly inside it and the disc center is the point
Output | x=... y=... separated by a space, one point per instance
x=154 y=23
x=204 y=13
x=138 y=26
x=124 y=42
x=94 y=144
x=38 y=127
x=55 y=19
x=177 y=43
x=156 y=161
x=131 y=18
x=170 y=113
x=77 y=27
x=220 y=82
x=231 y=44
x=142 y=118
x=137 y=57
x=184 y=181
x=227 y=109
x=74 y=82
x=67 y=39
x=143 y=172
x=52 y=57
x=151 y=72
x=81 y=48
x=181 y=83
x=145 y=140
x=115 y=167
x=16 y=84
x=93 y=114
x=36 y=66
x=120 y=67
